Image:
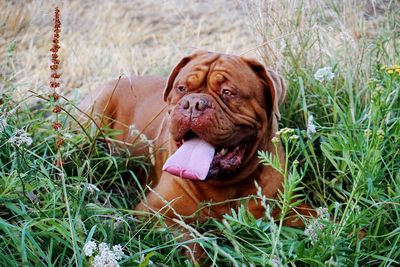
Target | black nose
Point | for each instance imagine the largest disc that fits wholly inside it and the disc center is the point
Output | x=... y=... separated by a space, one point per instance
x=194 y=105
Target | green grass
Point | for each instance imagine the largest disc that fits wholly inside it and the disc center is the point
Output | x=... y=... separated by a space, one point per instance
x=351 y=166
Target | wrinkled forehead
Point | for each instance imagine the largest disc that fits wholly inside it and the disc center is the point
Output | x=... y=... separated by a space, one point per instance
x=207 y=66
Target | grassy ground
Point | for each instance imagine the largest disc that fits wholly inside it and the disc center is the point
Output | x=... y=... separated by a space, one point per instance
x=349 y=167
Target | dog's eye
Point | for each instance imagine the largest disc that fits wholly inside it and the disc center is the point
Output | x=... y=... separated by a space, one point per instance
x=181 y=89
x=227 y=92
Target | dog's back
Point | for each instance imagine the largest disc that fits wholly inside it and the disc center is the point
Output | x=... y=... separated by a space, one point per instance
x=134 y=109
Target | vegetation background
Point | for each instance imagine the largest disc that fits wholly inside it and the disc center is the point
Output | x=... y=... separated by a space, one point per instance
x=349 y=166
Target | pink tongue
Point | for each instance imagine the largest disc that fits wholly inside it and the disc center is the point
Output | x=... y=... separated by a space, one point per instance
x=192 y=160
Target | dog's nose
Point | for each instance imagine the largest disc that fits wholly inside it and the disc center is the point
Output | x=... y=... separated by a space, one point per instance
x=194 y=105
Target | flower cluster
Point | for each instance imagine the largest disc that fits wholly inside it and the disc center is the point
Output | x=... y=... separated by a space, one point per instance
x=3 y=122
x=393 y=69
x=367 y=133
x=377 y=93
x=311 y=129
x=285 y=131
x=317 y=225
x=91 y=188
x=89 y=248
x=324 y=74
x=133 y=131
x=331 y=262
x=106 y=257
x=380 y=134
x=372 y=82
x=4 y=117
x=285 y=134
x=55 y=75
x=275 y=140
x=276 y=261
x=20 y=137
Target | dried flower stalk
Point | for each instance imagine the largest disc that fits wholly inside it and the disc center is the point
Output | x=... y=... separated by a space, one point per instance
x=55 y=75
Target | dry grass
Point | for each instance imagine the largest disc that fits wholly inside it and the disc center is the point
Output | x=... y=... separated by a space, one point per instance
x=102 y=39
x=315 y=33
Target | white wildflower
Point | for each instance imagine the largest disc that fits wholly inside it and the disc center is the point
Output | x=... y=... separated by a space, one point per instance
x=313 y=229
x=319 y=225
x=275 y=140
x=285 y=131
x=20 y=137
x=108 y=257
x=133 y=131
x=119 y=222
x=311 y=129
x=324 y=74
x=276 y=261
x=323 y=213
x=331 y=262
x=311 y=232
x=89 y=248
x=105 y=259
x=117 y=249
x=103 y=247
x=91 y=187
x=152 y=154
x=3 y=123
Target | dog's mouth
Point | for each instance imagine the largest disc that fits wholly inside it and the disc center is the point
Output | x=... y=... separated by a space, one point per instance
x=197 y=159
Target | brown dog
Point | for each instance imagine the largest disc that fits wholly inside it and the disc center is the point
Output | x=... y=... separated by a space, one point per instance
x=215 y=113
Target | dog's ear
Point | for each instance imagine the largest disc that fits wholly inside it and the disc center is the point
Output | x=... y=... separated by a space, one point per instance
x=276 y=88
x=276 y=81
x=176 y=70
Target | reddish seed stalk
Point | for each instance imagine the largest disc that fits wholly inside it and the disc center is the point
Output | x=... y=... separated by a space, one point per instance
x=55 y=75
x=54 y=84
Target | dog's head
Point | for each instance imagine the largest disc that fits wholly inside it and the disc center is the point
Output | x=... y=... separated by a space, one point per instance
x=221 y=109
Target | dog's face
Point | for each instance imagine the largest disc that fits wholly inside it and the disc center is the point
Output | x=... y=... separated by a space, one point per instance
x=221 y=107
